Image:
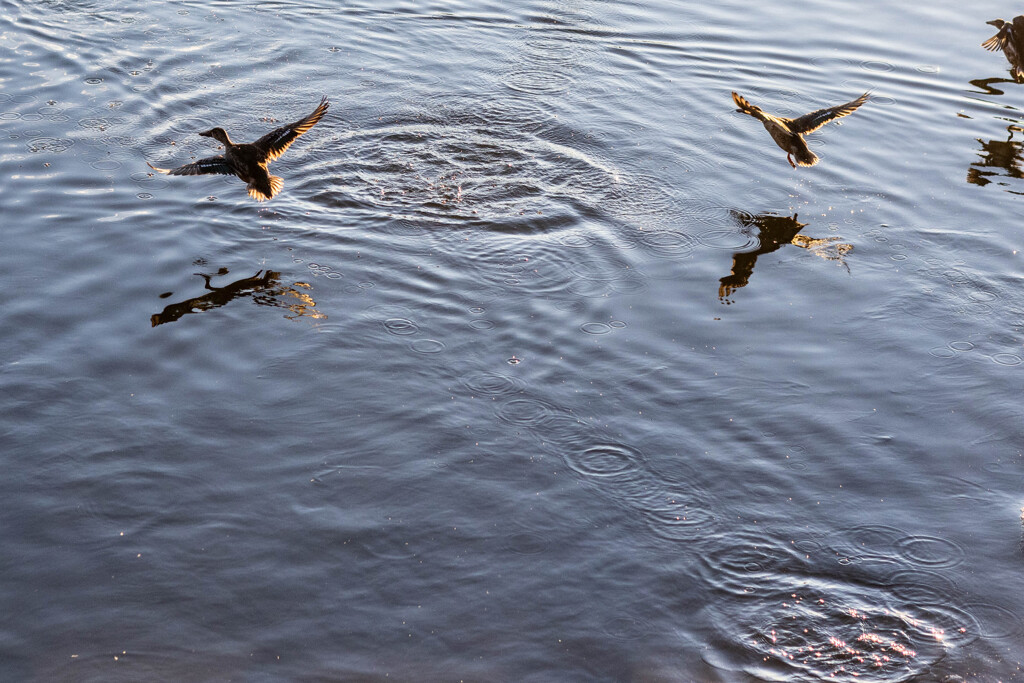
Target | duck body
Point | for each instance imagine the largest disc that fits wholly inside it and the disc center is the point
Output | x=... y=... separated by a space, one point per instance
x=792 y=143
x=1009 y=39
x=249 y=161
x=788 y=133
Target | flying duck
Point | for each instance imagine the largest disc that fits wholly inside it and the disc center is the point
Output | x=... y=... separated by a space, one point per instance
x=249 y=161
x=788 y=133
x=1009 y=39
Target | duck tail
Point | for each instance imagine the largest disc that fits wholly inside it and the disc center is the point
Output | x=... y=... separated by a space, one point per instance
x=266 y=192
x=805 y=157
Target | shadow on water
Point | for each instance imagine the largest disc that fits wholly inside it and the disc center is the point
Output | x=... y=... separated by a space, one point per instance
x=987 y=85
x=773 y=232
x=998 y=154
x=265 y=288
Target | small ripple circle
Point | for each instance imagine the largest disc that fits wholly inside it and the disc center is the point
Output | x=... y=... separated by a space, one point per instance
x=605 y=460
x=525 y=411
x=491 y=383
x=427 y=346
x=596 y=328
x=930 y=551
x=400 y=326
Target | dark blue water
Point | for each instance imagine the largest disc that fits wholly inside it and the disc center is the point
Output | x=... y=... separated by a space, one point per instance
x=544 y=365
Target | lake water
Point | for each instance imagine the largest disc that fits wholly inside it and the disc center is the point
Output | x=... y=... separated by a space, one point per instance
x=544 y=366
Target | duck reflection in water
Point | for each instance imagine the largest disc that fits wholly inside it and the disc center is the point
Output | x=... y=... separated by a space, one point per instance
x=987 y=86
x=264 y=288
x=1001 y=154
x=773 y=232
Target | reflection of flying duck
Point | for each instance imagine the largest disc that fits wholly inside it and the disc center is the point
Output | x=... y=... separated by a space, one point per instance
x=1009 y=39
x=772 y=233
x=788 y=133
x=997 y=154
x=249 y=161
x=263 y=287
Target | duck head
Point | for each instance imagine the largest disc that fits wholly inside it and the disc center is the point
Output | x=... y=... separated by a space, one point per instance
x=218 y=134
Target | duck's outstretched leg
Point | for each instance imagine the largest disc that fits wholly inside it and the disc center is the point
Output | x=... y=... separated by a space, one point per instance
x=789 y=158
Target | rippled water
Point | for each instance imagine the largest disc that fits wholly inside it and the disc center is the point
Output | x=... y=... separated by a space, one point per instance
x=544 y=366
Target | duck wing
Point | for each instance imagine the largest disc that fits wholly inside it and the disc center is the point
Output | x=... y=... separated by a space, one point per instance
x=999 y=40
x=217 y=164
x=745 y=107
x=808 y=123
x=273 y=144
x=741 y=102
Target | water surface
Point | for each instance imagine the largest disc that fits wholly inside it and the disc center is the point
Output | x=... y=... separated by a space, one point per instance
x=544 y=366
